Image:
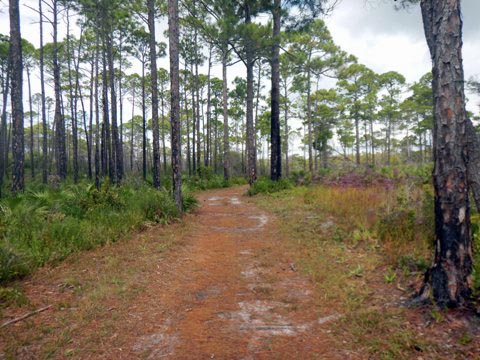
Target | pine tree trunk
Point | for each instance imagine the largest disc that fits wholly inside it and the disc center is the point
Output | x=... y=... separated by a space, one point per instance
x=154 y=89
x=117 y=155
x=16 y=62
x=32 y=159
x=44 y=107
x=73 y=101
x=194 y=124
x=276 y=156
x=97 y=119
x=250 y=61
x=309 y=117
x=175 y=103
x=226 y=135
x=144 y=125
x=164 y=147
x=59 y=121
x=448 y=280
x=287 y=165
x=208 y=152
x=3 y=126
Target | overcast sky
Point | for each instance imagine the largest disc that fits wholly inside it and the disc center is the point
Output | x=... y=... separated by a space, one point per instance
x=385 y=39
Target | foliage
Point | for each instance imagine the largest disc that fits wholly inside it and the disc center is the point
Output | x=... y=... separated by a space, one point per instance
x=206 y=179
x=44 y=226
x=267 y=186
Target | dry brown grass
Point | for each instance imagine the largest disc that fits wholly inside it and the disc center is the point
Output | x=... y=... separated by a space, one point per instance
x=364 y=248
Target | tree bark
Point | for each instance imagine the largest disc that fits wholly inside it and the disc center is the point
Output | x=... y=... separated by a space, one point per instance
x=249 y=61
x=207 y=155
x=448 y=280
x=154 y=89
x=32 y=159
x=3 y=126
x=275 y=138
x=59 y=121
x=144 y=125
x=44 y=106
x=16 y=62
x=226 y=136
x=73 y=100
x=175 y=103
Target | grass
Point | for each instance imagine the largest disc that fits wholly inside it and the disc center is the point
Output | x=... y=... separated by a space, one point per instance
x=46 y=225
x=360 y=245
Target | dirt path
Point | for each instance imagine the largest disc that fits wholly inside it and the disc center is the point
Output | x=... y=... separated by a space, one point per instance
x=231 y=292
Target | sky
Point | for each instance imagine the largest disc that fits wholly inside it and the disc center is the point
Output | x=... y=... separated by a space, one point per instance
x=381 y=37
x=385 y=39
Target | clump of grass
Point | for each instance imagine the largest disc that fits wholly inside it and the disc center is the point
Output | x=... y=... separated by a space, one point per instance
x=267 y=186
x=47 y=225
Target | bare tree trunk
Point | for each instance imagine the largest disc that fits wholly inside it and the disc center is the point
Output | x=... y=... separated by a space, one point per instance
x=144 y=125
x=275 y=138
x=287 y=165
x=73 y=105
x=44 y=106
x=194 y=122
x=207 y=155
x=309 y=117
x=154 y=89
x=249 y=61
x=117 y=155
x=97 y=119
x=32 y=159
x=16 y=61
x=175 y=103
x=3 y=127
x=59 y=121
x=448 y=280
x=226 y=140
x=164 y=147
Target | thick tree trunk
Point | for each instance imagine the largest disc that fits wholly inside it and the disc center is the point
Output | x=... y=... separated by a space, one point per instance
x=16 y=62
x=44 y=106
x=276 y=156
x=175 y=103
x=448 y=280
x=249 y=60
x=154 y=89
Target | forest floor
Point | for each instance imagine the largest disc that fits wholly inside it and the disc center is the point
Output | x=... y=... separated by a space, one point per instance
x=228 y=282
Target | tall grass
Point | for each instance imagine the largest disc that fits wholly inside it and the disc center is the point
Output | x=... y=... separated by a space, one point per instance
x=45 y=225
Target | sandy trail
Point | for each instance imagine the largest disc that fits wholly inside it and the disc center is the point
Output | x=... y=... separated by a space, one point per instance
x=231 y=292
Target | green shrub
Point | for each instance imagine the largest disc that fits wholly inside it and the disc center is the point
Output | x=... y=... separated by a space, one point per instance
x=301 y=177
x=46 y=225
x=267 y=186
